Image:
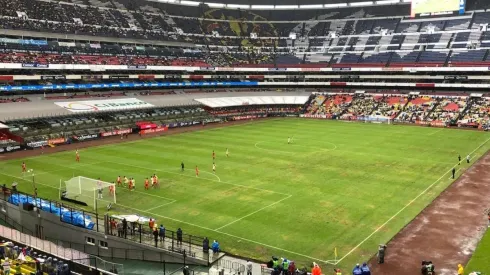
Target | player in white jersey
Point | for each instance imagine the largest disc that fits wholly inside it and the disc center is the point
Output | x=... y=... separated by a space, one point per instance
x=227 y=152
x=214 y=167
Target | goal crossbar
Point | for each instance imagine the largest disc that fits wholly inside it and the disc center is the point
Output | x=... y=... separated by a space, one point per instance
x=89 y=190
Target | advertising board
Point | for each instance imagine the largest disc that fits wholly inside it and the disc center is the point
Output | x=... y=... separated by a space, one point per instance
x=103 y=105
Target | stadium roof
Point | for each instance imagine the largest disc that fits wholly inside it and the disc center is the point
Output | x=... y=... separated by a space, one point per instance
x=283 y=4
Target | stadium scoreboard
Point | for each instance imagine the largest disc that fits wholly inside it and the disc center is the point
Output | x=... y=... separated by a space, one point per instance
x=437 y=7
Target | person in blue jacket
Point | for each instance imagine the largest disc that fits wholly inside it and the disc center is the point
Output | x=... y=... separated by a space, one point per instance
x=365 y=269
x=357 y=270
x=215 y=247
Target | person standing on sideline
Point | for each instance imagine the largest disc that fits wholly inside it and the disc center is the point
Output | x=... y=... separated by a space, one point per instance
x=468 y=159
x=381 y=253
x=459 y=159
x=249 y=267
x=151 y=223
x=179 y=236
x=182 y=166
x=155 y=235
x=205 y=245
x=460 y=269
x=453 y=171
x=357 y=270
x=292 y=268
x=365 y=269
x=316 y=270
x=162 y=233
x=215 y=246
x=125 y=227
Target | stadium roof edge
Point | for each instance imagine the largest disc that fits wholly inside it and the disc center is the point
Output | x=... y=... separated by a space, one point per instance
x=265 y=6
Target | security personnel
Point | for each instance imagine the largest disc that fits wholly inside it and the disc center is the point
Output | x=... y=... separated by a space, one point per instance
x=285 y=266
x=275 y=263
x=381 y=253
x=365 y=269
x=357 y=270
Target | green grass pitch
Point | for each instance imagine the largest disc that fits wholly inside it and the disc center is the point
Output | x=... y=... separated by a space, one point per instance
x=349 y=186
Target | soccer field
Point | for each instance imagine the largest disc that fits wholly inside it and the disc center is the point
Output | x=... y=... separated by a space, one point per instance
x=349 y=186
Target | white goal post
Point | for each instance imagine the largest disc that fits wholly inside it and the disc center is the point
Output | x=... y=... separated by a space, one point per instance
x=91 y=191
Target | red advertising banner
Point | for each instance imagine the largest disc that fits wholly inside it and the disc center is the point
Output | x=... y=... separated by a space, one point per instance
x=155 y=130
x=148 y=126
x=56 y=141
x=116 y=132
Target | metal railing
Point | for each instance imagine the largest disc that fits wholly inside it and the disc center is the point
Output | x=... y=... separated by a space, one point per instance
x=187 y=245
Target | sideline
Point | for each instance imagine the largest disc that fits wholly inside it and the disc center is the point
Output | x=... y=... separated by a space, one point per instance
x=407 y=205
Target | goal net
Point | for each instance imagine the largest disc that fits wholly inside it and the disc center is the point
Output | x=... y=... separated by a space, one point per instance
x=95 y=193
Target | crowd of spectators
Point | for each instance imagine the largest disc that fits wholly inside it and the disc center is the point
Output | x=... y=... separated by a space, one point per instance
x=22 y=260
x=389 y=106
x=417 y=109
x=478 y=112
x=361 y=105
x=255 y=110
x=447 y=110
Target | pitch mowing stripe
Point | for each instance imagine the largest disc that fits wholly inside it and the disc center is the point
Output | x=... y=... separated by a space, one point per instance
x=407 y=205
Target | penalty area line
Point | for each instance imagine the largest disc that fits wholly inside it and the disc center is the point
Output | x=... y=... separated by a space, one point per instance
x=199 y=226
x=255 y=212
x=407 y=205
x=158 y=206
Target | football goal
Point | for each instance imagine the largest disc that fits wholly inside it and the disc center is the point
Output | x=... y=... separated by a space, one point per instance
x=95 y=193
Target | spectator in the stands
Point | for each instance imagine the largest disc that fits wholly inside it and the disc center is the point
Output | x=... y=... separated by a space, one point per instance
x=6 y=266
x=125 y=228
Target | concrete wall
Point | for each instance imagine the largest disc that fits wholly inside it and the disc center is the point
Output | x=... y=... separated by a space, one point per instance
x=75 y=237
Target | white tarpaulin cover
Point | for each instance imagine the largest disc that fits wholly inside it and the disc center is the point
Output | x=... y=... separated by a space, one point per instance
x=252 y=100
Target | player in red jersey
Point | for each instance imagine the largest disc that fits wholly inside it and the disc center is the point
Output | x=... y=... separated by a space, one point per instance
x=147 y=184
x=119 y=182
x=214 y=155
x=197 y=171
x=77 y=156
x=112 y=189
x=130 y=185
x=24 y=169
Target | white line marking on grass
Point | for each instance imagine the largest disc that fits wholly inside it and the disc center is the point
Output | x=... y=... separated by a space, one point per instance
x=430 y=134
x=219 y=180
x=205 y=228
x=407 y=205
x=255 y=212
x=158 y=206
x=93 y=148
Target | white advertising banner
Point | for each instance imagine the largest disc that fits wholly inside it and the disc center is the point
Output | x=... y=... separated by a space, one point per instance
x=103 y=105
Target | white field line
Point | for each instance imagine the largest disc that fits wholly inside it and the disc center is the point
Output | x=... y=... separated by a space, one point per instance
x=219 y=180
x=255 y=212
x=61 y=169
x=407 y=205
x=202 y=227
x=158 y=206
x=94 y=148
x=183 y=175
x=430 y=134
x=135 y=191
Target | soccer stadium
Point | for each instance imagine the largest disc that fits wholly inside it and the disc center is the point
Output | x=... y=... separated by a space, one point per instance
x=245 y=136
